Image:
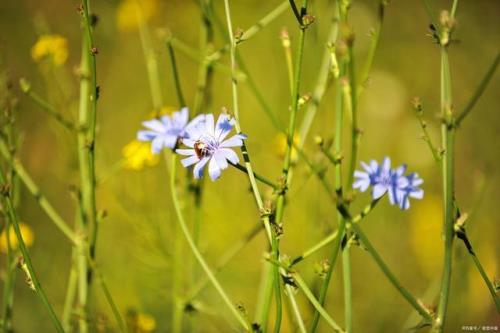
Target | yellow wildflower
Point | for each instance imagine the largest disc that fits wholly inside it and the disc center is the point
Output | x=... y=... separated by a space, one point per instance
x=26 y=232
x=280 y=142
x=138 y=155
x=166 y=110
x=426 y=230
x=54 y=47
x=129 y=12
x=145 y=323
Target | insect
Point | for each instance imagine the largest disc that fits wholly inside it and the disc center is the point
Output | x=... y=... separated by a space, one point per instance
x=200 y=148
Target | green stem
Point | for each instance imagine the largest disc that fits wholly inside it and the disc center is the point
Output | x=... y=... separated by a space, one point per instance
x=303 y=286
x=150 y=58
x=228 y=255
x=333 y=235
x=27 y=259
x=70 y=294
x=390 y=276
x=260 y=178
x=491 y=288
x=339 y=116
x=45 y=106
x=263 y=22
x=479 y=91
x=36 y=193
x=195 y=250
x=8 y=289
x=448 y=133
x=109 y=297
x=175 y=74
x=258 y=199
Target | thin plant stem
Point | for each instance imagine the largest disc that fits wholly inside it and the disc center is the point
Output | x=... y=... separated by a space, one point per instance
x=36 y=193
x=10 y=274
x=448 y=133
x=175 y=74
x=150 y=58
x=224 y=259
x=339 y=116
x=109 y=298
x=194 y=249
x=263 y=22
x=280 y=201
x=295 y=307
x=70 y=294
x=426 y=137
x=390 y=276
x=258 y=177
x=27 y=259
x=303 y=286
x=375 y=39
x=491 y=288
x=264 y=216
x=321 y=82
x=479 y=90
x=45 y=106
x=333 y=235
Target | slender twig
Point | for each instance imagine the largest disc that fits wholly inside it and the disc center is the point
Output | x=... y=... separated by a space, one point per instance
x=426 y=137
x=260 y=178
x=175 y=74
x=36 y=193
x=333 y=235
x=390 y=276
x=45 y=106
x=224 y=259
x=448 y=134
x=263 y=22
x=108 y=296
x=339 y=116
x=303 y=286
x=194 y=249
x=32 y=278
x=150 y=58
x=461 y=234
x=479 y=90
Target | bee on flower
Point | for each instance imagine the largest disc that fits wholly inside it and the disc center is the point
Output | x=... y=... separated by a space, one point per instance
x=383 y=179
x=208 y=144
x=51 y=47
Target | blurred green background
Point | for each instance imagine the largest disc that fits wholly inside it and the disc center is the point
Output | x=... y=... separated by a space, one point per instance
x=136 y=240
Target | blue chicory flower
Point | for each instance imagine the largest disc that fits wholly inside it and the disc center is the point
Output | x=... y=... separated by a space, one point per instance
x=166 y=131
x=383 y=180
x=208 y=144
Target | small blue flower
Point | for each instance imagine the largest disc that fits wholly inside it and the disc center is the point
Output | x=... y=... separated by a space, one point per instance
x=383 y=180
x=411 y=190
x=208 y=145
x=166 y=131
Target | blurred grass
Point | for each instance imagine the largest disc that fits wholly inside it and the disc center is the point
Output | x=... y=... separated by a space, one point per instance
x=135 y=241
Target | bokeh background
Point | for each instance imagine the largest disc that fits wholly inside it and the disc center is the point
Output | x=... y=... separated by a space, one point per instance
x=136 y=240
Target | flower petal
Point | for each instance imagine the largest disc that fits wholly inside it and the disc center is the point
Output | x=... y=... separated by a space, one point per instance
x=220 y=157
x=213 y=169
x=189 y=161
x=230 y=155
x=234 y=141
x=146 y=135
x=198 y=168
x=209 y=124
x=378 y=191
x=155 y=125
x=223 y=127
x=185 y=152
x=157 y=145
